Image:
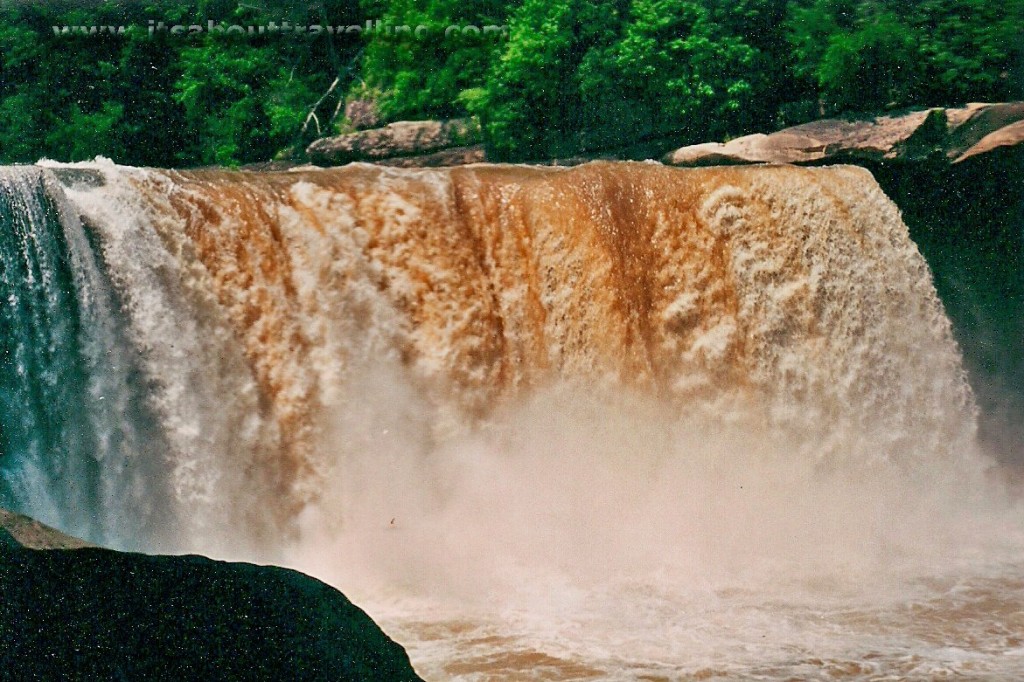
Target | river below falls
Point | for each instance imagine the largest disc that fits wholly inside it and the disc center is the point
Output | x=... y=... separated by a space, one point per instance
x=968 y=626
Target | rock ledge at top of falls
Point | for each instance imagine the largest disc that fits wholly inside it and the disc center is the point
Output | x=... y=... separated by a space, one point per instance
x=404 y=143
x=952 y=135
x=93 y=613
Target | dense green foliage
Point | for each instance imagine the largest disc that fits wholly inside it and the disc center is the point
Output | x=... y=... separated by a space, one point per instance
x=153 y=98
x=545 y=77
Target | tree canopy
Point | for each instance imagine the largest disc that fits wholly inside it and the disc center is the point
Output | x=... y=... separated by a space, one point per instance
x=239 y=82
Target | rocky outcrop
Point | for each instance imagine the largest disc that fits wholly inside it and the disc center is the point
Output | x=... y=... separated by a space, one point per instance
x=98 y=614
x=407 y=143
x=1007 y=136
x=34 y=535
x=362 y=114
x=948 y=134
x=456 y=156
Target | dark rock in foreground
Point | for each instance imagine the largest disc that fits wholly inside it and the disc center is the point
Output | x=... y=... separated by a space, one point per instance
x=97 y=614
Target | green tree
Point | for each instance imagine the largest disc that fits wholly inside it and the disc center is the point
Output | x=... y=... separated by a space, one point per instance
x=572 y=76
x=424 y=76
x=775 y=89
x=158 y=99
x=238 y=102
x=868 y=55
x=682 y=67
x=533 y=104
x=876 y=66
x=973 y=49
x=579 y=78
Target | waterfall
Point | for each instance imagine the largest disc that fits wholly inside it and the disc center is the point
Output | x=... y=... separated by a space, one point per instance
x=184 y=342
x=620 y=421
x=75 y=437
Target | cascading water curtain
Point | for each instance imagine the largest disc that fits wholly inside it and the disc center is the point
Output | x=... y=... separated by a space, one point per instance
x=71 y=413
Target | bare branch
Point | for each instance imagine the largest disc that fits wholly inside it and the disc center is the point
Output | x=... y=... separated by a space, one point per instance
x=312 y=112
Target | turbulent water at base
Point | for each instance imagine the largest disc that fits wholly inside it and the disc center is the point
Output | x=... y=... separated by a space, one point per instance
x=615 y=422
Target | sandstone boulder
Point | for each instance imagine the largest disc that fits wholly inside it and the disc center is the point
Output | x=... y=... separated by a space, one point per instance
x=362 y=114
x=456 y=156
x=400 y=139
x=1007 y=136
x=968 y=126
x=945 y=133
